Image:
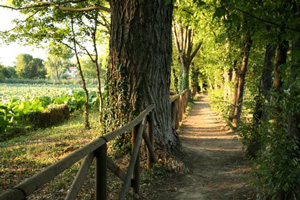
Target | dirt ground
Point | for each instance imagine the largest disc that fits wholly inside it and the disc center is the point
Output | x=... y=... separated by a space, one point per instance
x=213 y=154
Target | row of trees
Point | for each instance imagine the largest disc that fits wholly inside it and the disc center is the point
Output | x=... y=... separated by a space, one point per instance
x=29 y=67
x=250 y=61
x=7 y=72
x=55 y=67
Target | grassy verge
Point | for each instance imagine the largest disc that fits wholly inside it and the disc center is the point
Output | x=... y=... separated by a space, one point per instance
x=23 y=156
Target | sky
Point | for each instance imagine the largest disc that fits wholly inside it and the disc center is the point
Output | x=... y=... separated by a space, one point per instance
x=9 y=52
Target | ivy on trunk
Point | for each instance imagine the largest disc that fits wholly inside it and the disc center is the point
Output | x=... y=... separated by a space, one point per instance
x=140 y=65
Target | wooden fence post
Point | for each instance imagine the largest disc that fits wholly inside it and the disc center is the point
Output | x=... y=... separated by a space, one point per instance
x=177 y=112
x=174 y=106
x=185 y=100
x=135 y=181
x=101 y=172
x=150 y=131
x=181 y=106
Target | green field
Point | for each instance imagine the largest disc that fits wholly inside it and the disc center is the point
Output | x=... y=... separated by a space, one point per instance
x=28 y=91
x=18 y=100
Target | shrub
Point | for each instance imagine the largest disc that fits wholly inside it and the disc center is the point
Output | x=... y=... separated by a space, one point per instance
x=49 y=117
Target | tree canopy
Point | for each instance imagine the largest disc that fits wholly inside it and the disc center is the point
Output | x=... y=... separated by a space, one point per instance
x=29 y=67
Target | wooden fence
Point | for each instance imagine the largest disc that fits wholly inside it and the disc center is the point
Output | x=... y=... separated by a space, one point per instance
x=98 y=150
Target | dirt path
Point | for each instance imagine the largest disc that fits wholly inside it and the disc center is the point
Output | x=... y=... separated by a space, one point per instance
x=219 y=170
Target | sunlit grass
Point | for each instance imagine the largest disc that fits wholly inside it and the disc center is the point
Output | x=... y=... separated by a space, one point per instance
x=23 y=156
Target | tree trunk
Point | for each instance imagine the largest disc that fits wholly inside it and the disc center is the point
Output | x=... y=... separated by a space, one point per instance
x=294 y=115
x=241 y=82
x=86 y=103
x=184 y=45
x=280 y=58
x=234 y=80
x=175 y=81
x=140 y=65
x=265 y=85
x=184 y=81
x=195 y=79
x=98 y=70
x=226 y=88
x=259 y=115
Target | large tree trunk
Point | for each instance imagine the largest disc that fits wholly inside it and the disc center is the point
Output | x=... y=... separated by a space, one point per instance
x=241 y=82
x=259 y=115
x=140 y=65
x=294 y=114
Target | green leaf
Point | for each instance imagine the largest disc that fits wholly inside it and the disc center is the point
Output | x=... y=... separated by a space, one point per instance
x=199 y=2
x=169 y=2
x=296 y=54
x=220 y=12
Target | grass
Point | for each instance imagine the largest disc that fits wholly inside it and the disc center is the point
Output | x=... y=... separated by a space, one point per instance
x=26 y=155
x=23 y=156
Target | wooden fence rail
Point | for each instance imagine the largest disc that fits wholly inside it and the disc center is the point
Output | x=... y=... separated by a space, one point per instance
x=98 y=150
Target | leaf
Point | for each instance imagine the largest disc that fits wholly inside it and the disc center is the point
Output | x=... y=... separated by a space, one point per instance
x=199 y=2
x=296 y=54
x=220 y=12
x=169 y=2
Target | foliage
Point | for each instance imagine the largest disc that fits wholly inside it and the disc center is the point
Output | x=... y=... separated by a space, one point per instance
x=29 y=67
x=14 y=110
x=7 y=72
x=58 y=61
x=23 y=156
x=277 y=164
x=66 y=82
x=49 y=117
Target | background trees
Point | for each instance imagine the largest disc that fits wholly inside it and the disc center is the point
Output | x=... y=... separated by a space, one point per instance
x=187 y=42
x=7 y=72
x=29 y=67
x=58 y=61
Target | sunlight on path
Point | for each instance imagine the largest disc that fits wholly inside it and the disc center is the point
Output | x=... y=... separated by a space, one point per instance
x=219 y=170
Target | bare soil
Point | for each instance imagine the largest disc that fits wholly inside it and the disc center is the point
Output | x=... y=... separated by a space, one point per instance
x=213 y=154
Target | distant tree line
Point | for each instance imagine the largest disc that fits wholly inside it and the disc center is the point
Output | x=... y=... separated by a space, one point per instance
x=7 y=72
x=56 y=65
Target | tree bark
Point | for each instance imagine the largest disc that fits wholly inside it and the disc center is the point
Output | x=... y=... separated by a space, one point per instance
x=294 y=115
x=195 y=79
x=280 y=58
x=241 y=81
x=140 y=66
x=86 y=103
x=234 y=80
x=226 y=88
x=265 y=85
x=259 y=115
x=184 y=45
x=98 y=70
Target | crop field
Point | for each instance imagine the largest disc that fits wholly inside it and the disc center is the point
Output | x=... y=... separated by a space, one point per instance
x=18 y=100
x=29 y=91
